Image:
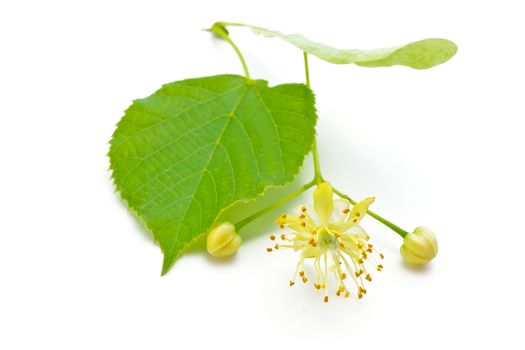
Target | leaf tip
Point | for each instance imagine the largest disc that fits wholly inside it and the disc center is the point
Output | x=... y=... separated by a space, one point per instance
x=166 y=267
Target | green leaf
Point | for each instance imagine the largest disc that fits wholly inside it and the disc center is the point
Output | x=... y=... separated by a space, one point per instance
x=421 y=54
x=193 y=148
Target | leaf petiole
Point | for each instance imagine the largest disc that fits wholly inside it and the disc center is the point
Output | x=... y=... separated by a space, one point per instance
x=219 y=29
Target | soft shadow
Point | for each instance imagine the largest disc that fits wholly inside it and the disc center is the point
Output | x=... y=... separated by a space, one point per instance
x=221 y=261
x=417 y=269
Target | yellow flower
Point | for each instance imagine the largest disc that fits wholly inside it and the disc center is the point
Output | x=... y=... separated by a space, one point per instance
x=223 y=241
x=331 y=236
x=420 y=246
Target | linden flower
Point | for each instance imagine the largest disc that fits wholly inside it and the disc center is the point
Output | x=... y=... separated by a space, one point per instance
x=335 y=241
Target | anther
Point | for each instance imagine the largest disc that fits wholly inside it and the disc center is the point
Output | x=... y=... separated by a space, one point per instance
x=269 y=250
x=368 y=278
x=301 y=273
x=341 y=245
x=303 y=224
x=302 y=216
x=292 y=283
x=317 y=286
x=283 y=216
x=283 y=236
x=346 y=211
x=347 y=294
x=326 y=299
x=303 y=209
x=305 y=279
x=343 y=276
x=276 y=246
x=272 y=237
x=381 y=256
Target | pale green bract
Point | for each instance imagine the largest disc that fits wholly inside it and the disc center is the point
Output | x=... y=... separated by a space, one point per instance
x=421 y=54
x=182 y=155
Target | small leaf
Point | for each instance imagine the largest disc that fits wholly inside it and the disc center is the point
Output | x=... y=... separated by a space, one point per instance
x=182 y=155
x=421 y=54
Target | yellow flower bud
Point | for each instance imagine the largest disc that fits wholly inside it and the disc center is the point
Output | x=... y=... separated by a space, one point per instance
x=223 y=241
x=420 y=246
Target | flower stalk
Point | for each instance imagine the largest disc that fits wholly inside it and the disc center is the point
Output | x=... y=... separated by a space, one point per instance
x=275 y=205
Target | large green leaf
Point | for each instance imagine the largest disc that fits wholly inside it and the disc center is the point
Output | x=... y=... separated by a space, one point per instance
x=194 y=147
x=421 y=54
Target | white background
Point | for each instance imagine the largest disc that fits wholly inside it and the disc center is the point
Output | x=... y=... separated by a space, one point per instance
x=441 y=148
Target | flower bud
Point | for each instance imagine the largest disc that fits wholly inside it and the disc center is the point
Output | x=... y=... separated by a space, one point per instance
x=223 y=241
x=420 y=246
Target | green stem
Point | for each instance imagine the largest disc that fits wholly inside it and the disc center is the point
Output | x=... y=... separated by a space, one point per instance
x=219 y=29
x=382 y=220
x=306 y=70
x=269 y=208
x=318 y=178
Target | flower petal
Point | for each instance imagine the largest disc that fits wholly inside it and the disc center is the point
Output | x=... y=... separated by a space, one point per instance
x=341 y=210
x=324 y=202
x=357 y=213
